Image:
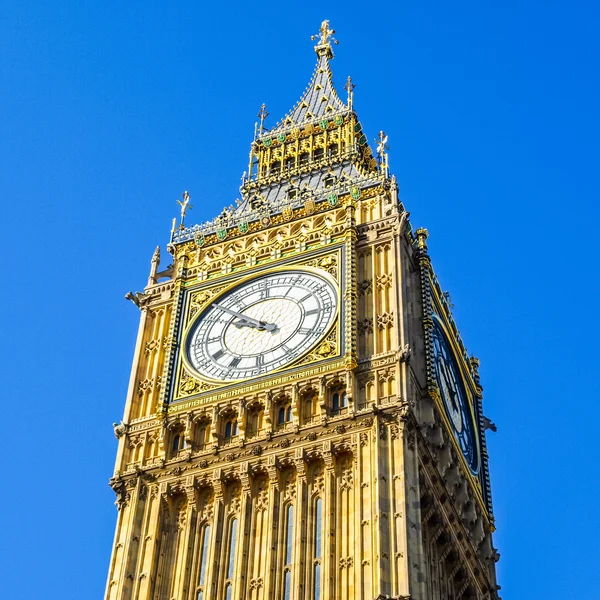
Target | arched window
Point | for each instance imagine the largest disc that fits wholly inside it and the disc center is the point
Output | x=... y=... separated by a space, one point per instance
x=233 y=530
x=303 y=158
x=178 y=442
x=289 y=552
x=332 y=150
x=317 y=549
x=339 y=401
x=275 y=167
x=318 y=154
x=203 y=561
x=231 y=429
x=289 y=162
x=284 y=414
x=253 y=422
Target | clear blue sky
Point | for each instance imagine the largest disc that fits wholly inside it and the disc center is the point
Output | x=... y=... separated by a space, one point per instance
x=110 y=110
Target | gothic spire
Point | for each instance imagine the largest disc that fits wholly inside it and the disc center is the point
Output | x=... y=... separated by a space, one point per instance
x=320 y=100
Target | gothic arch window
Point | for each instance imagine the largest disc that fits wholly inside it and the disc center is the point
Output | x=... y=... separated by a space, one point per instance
x=318 y=154
x=275 y=167
x=231 y=428
x=289 y=552
x=303 y=158
x=201 y=432
x=289 y=163
x=318 y=548
x=332 y=150
x=284 y=414
x=204 y=550
x=310 y=406
x=177 y=441
x=339 y=401
x=254 y=420
x=233 y=531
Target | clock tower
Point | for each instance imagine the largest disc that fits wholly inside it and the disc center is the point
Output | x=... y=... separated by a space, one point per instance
x=303 y=421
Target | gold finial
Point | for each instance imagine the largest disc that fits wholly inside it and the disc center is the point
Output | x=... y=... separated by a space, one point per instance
x=325 y=37
x=422 y=235
x=262 y=115
x=185 y=205
x=349 y=87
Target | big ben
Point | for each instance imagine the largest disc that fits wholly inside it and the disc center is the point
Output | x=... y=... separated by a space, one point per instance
x=303 y=421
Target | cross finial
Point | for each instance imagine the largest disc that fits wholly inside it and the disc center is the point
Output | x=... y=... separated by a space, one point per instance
x=325 y=37
x=349 y=87
x=262 y=115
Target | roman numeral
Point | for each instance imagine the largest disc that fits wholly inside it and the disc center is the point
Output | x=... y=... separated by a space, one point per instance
x=314 y=311
x=218 y=354
x=304 y=330
x=235 y=362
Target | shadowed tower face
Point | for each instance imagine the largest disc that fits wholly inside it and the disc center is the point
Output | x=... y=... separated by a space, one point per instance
x=303 y=421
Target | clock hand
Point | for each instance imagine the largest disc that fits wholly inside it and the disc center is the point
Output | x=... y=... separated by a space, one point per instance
x=248 y=321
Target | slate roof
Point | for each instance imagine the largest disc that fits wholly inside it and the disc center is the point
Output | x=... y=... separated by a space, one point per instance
x=319 y=99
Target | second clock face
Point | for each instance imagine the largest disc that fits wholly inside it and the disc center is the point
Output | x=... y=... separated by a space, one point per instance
x=261 y=325
x=454 y=396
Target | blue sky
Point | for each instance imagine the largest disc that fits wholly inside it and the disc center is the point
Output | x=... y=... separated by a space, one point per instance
x=109 y=111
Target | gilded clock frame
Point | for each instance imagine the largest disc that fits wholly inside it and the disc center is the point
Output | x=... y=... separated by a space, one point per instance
x=222 y=285
x=222 y=292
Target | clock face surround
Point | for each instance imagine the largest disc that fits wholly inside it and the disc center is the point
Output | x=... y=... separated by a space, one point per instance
x=261 y=325
x=454 y=396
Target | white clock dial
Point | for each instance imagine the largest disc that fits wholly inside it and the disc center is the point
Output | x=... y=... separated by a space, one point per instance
x=261 y=325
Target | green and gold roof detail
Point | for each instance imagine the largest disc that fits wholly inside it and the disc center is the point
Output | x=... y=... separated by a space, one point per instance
x=317 y=151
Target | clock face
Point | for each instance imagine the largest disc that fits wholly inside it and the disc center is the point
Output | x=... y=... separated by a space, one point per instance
x=454 y=396
x=261 y=325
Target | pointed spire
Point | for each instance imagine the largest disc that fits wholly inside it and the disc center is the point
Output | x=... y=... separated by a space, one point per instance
x=320 y=100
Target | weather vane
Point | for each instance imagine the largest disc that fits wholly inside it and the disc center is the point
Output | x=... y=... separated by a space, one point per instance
x=185 y=206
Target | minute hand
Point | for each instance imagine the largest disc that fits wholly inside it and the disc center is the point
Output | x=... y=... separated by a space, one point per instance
x=258 y=324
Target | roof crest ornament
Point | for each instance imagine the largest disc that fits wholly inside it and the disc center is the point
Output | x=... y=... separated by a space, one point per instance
x=325 y=35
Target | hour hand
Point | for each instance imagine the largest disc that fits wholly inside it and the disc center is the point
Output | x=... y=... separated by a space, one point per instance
x=246 y=321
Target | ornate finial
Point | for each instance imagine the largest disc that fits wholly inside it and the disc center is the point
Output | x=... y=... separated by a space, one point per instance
x=349 y=87
x=154 y=266
x=262 y=115
x=422 y=235
x=325 y=37
x=185 y=205
x=382 y=154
